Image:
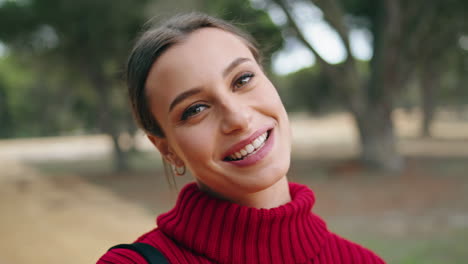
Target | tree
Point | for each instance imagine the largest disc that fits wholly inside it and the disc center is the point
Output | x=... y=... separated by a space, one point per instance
x=307 y=90
x=88 y=40
x=5 y=115
x=400 y=30
x=441 y=61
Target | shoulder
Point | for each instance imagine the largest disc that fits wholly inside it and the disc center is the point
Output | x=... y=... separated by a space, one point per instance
x=128 y=256
x=121 y=256
x=341 y=250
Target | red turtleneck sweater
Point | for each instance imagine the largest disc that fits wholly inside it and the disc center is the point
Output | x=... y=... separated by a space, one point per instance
x=204 y=229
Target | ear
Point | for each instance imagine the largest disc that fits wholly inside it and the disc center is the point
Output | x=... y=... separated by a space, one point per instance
x=166 y=152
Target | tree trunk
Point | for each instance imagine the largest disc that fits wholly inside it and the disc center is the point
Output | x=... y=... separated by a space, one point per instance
x=106 y=123
x=6 y=127
x=370 y=98
x=378 y=140
x=375 y=124
x=120 y=156
x=429 y=82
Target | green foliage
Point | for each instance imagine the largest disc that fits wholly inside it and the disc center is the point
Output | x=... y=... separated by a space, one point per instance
x=307 y=90
x=362 y=12
x=85 y=29
x=36 y=101
x=58 y=49
x=453 y=88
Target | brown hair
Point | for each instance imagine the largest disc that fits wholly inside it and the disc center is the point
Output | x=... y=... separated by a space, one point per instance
x=152 y=44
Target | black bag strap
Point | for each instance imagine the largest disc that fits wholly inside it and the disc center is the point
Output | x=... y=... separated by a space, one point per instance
x=148 y=252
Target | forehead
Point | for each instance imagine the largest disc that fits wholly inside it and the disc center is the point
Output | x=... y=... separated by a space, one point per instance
x=204 y=49
x=198 y=59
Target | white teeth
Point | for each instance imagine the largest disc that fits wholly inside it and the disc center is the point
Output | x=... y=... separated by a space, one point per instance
x=256 y=144
x=249 y=148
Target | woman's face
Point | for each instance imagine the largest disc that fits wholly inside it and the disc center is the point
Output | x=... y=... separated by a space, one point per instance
x=222 y=117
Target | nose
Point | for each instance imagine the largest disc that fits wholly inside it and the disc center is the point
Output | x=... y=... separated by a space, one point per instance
x=236 y=117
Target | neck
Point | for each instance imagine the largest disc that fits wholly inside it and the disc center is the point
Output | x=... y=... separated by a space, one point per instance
x=271 y=197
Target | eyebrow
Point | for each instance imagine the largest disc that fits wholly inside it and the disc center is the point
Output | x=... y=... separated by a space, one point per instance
x=184 y=95
x=233 y=65
x=181 y=97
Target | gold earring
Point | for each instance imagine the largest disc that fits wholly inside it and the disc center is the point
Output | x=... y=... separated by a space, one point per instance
x=179 y=170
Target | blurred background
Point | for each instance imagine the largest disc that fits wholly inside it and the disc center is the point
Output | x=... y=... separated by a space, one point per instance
x=378 y=101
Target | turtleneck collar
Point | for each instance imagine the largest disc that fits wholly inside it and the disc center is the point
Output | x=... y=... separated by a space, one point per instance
x=225 y=232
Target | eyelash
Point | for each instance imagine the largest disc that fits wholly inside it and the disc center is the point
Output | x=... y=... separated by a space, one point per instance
x=192 y=110
x=189 y=111
x=248 y=75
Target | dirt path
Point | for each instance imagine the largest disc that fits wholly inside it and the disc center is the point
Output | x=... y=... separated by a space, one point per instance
x=72 y=223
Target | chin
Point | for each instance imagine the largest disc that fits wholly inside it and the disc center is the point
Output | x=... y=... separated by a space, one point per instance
x=266 y=177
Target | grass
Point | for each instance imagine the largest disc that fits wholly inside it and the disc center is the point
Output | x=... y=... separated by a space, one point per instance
x=449 y=247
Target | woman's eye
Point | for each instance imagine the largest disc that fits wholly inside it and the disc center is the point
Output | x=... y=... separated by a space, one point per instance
x=192 y=111
x=243 y=80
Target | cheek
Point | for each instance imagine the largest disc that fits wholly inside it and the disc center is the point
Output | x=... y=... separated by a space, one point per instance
x=272 y=105
x=195 y=145
x=269 y=101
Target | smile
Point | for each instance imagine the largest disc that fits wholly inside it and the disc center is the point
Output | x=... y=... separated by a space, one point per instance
x=250 y=151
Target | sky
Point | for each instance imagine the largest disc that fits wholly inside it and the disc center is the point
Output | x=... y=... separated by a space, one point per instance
x=320 y=35
x=295 y=55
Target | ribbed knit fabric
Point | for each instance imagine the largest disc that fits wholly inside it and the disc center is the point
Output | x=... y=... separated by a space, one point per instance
x=204 y=229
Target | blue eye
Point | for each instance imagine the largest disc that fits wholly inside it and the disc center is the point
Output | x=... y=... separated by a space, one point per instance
x=243 y=80
x=192 y=111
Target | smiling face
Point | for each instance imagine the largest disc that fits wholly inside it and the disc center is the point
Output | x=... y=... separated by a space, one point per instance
x=221 y=116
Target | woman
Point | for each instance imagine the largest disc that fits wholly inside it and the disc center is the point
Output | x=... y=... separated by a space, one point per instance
x=198 y=90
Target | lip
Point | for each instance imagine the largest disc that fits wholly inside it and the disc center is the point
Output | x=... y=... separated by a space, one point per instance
x=258 y=155
x=241 y=144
